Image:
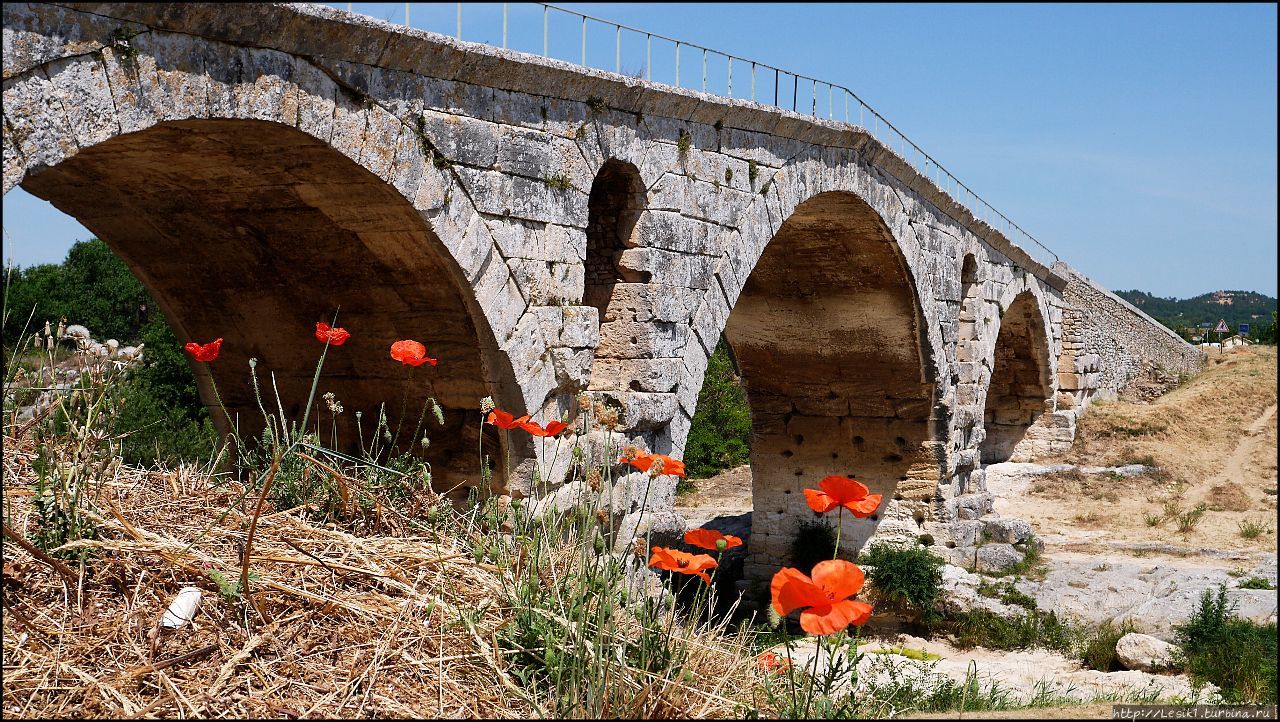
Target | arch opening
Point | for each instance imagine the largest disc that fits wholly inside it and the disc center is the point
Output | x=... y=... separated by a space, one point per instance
x=253 y=231
x=1020 y=387
x=624 y=363
x=827 y=338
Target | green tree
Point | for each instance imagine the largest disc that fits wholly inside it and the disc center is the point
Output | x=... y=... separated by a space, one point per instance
x=161 y=417
x=720 y=436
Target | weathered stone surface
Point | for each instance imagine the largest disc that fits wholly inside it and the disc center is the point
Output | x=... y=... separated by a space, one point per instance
x=470 y=198
x=997 y=557
x=1006 y=531
x=1144 y=652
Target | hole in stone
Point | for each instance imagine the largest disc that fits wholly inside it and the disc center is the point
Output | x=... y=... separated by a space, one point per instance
x=834 y=455
x=951 y=545
x=635 y=386
x=646 y=276
x=857 y=440
x=925 y=539
x=786 y=491
x=919 y=517
x=892 y=458
x=799 y=472
x=799 y=439
x=832 y=395
x=875 y=517
x=899 y=441
x=635 y=340
x=787 y=453
x=897 y=497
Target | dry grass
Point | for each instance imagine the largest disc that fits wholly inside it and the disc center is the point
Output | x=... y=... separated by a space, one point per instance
x=1190 y=430
x=1213 y=440
x=335 y=624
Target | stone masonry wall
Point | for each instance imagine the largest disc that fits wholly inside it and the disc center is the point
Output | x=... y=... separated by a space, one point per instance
x=1108 y=343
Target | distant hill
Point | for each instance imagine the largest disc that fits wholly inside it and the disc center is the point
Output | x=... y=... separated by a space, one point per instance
x=1235 y=307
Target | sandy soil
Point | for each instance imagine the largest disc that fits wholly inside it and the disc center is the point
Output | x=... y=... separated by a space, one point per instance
x=1214 y=441
x=727 y=493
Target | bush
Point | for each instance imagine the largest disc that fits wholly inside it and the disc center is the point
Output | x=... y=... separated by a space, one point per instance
x=909 y=575
x=160 y=408
x=1099 y=647
x=720 y=436
x=162 y=413
x=982 y=627
x=1237 y=655
x=814 y=542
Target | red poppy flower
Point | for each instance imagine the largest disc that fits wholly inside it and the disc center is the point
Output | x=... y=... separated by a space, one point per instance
x=207 y=352
x=842 y=491
x=552 y=428
x=770 y=661
x=335 y=336
x=503 y=420
x=411 y=353
x=643 y=462
x=673 y=560
x=824 y=597
x=711 y=539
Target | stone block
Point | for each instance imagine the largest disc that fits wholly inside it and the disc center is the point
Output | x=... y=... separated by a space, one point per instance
x=997 y=557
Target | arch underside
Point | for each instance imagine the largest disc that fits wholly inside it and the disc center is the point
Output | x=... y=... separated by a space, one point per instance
x=253 y=231
x=1020 y=386
x=826 y=334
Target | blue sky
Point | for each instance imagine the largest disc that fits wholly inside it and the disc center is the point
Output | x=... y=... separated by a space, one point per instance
x=1136 y=141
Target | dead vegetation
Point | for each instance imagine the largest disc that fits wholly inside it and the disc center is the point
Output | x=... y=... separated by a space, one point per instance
x=333 y=623
x=1212 y=440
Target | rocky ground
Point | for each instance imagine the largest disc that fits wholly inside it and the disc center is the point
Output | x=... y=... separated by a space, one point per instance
x=1138 y=538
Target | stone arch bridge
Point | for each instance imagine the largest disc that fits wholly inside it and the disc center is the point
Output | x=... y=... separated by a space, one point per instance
x=548 y=231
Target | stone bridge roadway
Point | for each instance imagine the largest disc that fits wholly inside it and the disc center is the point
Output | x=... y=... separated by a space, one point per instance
x=549 y=230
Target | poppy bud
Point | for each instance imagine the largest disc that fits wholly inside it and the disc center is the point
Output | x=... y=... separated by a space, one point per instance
x=721 y=544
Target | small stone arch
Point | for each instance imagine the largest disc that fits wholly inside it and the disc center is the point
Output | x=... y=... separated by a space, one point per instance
x=1021 y=386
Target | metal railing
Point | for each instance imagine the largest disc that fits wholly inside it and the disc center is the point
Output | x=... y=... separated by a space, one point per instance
x=768 y=77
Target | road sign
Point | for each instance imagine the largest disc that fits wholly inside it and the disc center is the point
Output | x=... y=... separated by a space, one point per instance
x=1244 y=329
x=1221 y=327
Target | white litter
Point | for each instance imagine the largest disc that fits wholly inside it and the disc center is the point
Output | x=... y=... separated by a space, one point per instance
x=182 y=609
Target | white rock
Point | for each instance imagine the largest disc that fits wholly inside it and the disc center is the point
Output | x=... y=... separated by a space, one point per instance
x=1144 y=652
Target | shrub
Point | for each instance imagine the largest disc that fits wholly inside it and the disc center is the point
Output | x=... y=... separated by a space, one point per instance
x=1256 y=583
x=1099 y=646
x=813 y=542
x=908 y=574
x=1237 y=655
x=982 y=627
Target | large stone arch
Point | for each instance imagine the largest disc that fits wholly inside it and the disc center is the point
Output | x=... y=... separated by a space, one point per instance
x=1020 y=390
x=237 y=183
x=824 y=303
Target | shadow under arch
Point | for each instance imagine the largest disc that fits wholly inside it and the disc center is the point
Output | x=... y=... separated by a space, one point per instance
x=253 y=231
x=829 y=340
x=1021 y=389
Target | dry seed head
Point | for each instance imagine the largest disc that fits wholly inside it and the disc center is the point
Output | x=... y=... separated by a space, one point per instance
x=638 y=548
x=630 y=452
x=607 y=416
x=602 y=516
x=594 y=480
x=656 y=469
x=486 y=405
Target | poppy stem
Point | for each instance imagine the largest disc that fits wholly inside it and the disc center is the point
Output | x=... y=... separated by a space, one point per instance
x=404 y=403
x=839 y=527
